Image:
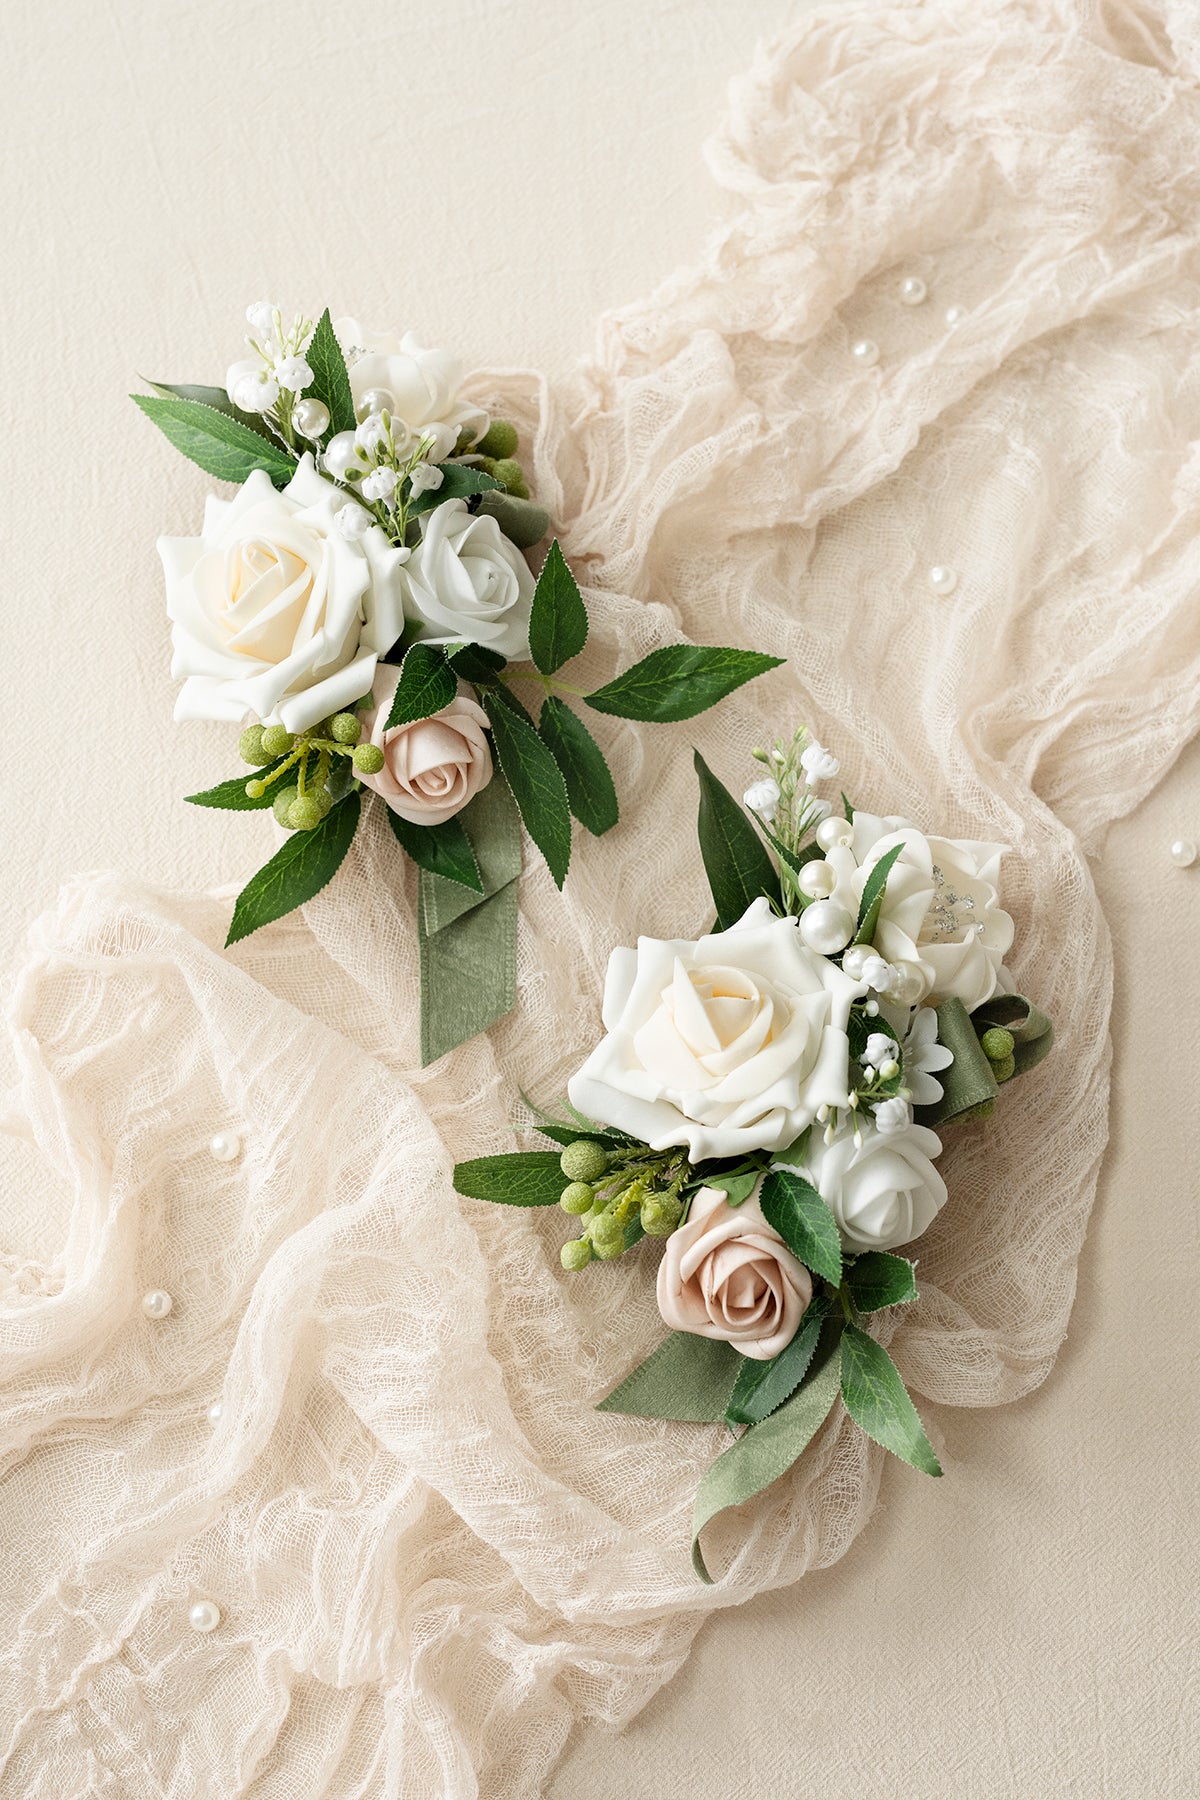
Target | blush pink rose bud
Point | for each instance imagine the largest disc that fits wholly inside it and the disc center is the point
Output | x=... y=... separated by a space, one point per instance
x=434 y=766
x=728 y=1274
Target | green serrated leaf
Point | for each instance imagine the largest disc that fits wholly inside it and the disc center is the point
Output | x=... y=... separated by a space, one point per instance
x=231 y=796
x=521 y=1178
x=590 y=791
x=443 y=849
x=763 y=1386
x=804 y=1222
x=687 y=1377
x=878 y=1401
x=558 y=623
x=459 y=482
x=872 y=896
x=678 y=682
x=537 y=786
x=876 y=1280
x=473 y=662
x=299 y=869
x=331 y=378
x=218 y=399
x=735 y=861
x=220 y=444
x=427 y=683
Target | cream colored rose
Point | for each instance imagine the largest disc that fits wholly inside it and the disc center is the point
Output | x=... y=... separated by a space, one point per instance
x=882 y=1193
x=434 y=766
x=727 y=1274
x=275 y=612
x=422 y=385
x=726 y=1045
x=465 y=580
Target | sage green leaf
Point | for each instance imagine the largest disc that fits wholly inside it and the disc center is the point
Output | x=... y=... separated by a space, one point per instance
x=443 y=849
x=735 y=1187
x=804 y=1222
x=522 y=521
x=521 y=1178
x=793 y=1152
x=331 y=379
x=969 y=1081
x=299 y=869
x=231 y=796
x=427 y=683
x=735 y=861
x=459 y=482
x=872 y=896
x=767 y=1450
x=590 y=791
x=878 y=1401
x=687 y=1377
x=558 y=623
x=218 y=399
x=679 y=681
x=219 y=443
x=537 y=786
x=877 y=1279
x=761 y=1387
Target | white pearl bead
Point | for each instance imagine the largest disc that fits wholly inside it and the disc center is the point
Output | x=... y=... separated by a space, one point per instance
x=157 y=1303
x=955 y=315
x=225 y=1146
x=215 y=1412
x=865 y=352
x=826 y=927
x=852 y=962
x=942 y=580
x=340 y=454
x=204 y=1615
x=831 y=832
x=376 y=400
x=311 y=418
x=912 y=291
x=817 y=880
x=1183 y=853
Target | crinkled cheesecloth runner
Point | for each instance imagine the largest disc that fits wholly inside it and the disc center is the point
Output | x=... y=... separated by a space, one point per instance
x=431 y=1554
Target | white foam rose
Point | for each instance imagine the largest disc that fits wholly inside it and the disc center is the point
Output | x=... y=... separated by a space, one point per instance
x=465 y=580
x=423 y=383
x=725 y=1045
x=275 y=611
x=883 y=1192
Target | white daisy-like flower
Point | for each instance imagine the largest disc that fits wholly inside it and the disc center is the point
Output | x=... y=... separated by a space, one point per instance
x=923 y=1056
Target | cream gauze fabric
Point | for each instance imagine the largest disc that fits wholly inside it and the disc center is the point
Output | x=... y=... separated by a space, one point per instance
x=431 y=1554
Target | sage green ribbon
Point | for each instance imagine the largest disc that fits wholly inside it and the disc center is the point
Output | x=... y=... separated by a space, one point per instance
x=688 y=1377
x=468 y=941
x=969 y=1081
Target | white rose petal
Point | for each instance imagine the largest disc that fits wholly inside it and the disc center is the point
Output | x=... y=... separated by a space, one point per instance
x=425 y=384
x=882 y=1192
x=465 y=580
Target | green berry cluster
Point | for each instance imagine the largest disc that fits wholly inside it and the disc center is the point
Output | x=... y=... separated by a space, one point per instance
x=302 y=803
x=999 y=1046
x=607 y=1190
x=497 y=453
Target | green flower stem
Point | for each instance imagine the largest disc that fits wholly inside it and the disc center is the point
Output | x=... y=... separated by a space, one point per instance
x=269 y=780
x=547 y=682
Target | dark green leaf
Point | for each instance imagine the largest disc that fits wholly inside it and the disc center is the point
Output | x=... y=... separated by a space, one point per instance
x=678 y=682
x=504 y=696
x=848 y=810
x=427 y=683
x=219 y=443
x=762 y=1386
x=735 y=861
x=218 y=399
x=443 y=849
x=473 y=662
x=522 y=521
x=687 y=1377
x=232 y=795
x=459 y=482
x=590 y=790
x=299 y=869
x=872 y=895
x=558 y=624
x=804 y=1222
x=331 y=380
x=522 y=1178
x=878 y=1402
x=537 y=786
x=876 y=1280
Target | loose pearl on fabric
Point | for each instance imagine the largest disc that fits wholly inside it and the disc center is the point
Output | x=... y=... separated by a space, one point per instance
x=157 y=1303
x=225 y=1146
x=942 y=580
x=205 y=1615
x=831 y=832
x=826 y=927
x=376 y=400
x=865 y=352
x=817 y=880
x=1183 y=853
x=311 y=418
x=912 y=291
x=215 y=1412
x=955 y=315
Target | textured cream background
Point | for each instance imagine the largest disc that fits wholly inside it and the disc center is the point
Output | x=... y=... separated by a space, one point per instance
x=496 y=174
